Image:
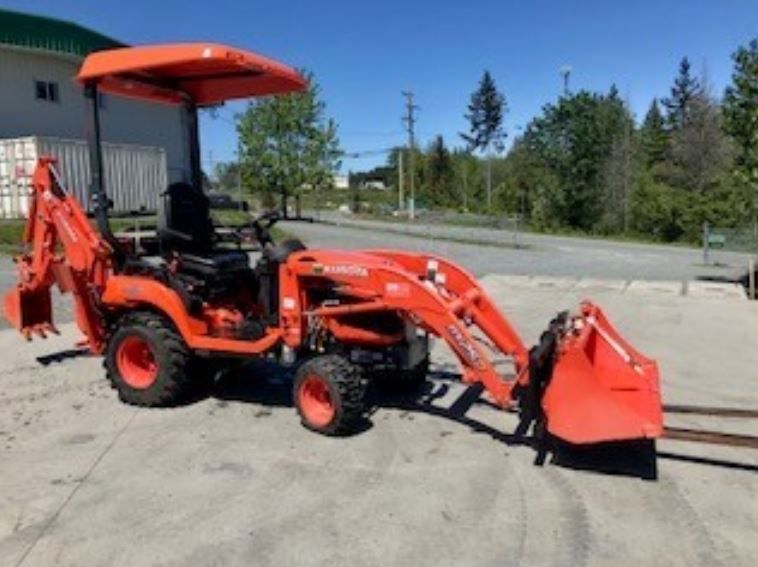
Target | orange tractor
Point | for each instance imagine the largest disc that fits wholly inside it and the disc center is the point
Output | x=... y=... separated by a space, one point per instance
x=341 y=317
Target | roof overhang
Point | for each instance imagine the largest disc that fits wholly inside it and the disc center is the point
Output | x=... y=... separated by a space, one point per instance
x=204 y=73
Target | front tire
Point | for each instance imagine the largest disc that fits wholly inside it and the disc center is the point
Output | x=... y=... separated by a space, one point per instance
x=329 y=394
x=146 y=361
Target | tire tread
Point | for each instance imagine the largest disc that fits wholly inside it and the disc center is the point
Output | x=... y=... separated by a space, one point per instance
x=173 y=382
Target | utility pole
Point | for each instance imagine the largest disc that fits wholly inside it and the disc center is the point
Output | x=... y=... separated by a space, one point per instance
x=400 y=180
x=210 y=164
x=410 y=124
x=241 y=204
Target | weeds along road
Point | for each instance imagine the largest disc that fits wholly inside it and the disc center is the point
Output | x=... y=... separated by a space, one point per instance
x=541 y=255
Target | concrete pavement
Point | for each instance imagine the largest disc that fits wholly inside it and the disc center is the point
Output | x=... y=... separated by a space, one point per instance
x=235 y=480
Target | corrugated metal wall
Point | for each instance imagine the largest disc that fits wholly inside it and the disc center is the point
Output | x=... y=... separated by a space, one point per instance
x=134 y=175
x=17 y=159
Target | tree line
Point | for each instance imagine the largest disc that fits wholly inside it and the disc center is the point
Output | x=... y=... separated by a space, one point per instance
x=584 y=163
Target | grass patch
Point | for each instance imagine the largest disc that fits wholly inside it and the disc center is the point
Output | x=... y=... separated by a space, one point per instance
x=456 y=240
x=10 y=235
x=11 y=231
x=629 y=238
x=332 y=198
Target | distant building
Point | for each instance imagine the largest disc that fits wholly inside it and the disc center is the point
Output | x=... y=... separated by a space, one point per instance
x=39 y=57
x=376 y=184
x=341 y=182
x=377 y=179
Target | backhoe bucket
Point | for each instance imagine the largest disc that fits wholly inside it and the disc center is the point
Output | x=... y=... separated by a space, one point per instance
x=29 y=311
x=601 y=388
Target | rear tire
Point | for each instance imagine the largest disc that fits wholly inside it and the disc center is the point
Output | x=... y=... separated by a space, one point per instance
x=146 y=361
x=329 y=394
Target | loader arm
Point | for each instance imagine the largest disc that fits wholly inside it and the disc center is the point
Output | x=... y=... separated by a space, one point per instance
x=56 y=221
x=581 y=361
x=399 y=282
x=471 y=301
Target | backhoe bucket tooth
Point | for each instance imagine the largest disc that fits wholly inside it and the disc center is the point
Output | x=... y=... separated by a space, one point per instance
x=601 y=388
x=29 y=311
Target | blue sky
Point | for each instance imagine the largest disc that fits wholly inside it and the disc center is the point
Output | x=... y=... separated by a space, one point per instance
x=364 y=53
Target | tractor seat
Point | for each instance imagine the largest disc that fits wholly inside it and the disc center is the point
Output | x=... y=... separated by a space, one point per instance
x=187 y=230
x=214 y=263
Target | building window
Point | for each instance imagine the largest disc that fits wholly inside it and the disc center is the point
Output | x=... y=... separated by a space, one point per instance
x=45 y=90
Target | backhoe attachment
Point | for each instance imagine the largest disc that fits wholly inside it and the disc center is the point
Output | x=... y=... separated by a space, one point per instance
x=62 y=249
x=30 y=311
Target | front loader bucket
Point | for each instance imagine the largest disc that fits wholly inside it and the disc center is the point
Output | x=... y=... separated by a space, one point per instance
x=601 y=388
x=29 y=311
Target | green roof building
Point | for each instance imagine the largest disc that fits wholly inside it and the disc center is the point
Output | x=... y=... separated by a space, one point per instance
x=39 y=58
x=49 y=35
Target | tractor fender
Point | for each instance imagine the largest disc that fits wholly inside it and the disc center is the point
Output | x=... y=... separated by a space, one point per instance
x=132 y=292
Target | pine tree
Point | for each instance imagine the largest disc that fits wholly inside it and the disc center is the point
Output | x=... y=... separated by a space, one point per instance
x=617 y=169
x=440 y=173
x=653 y=137
x=699 y=151
x=741 y=119
x=613 y=93
x=485 y=117
x=679 y=104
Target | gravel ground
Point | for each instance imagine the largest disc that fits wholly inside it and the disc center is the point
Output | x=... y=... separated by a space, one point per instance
x=235 y=480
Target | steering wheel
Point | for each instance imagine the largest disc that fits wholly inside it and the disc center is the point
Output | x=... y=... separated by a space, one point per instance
x=261 y=226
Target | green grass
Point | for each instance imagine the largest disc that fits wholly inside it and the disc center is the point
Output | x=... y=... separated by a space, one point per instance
x=10 y=235
x=333 y=198
x=237 y=218
x=631 y=237
x=457 y=240
x=11 y=231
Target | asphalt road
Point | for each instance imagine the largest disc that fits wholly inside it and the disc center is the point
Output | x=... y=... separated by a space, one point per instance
x=542 y=254
x=434 y=480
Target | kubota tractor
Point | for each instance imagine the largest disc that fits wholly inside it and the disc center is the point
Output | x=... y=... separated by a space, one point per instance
x=342 y=317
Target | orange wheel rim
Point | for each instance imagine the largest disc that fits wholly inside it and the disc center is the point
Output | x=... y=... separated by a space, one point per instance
x=315 y=401
x=136 y=363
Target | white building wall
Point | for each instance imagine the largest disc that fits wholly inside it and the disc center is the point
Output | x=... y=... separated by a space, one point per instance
x=122 y=120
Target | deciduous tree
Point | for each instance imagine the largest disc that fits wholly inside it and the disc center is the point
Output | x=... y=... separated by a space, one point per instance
x=287 y=143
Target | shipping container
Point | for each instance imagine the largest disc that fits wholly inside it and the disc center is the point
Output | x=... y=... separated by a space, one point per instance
x=135 y=176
